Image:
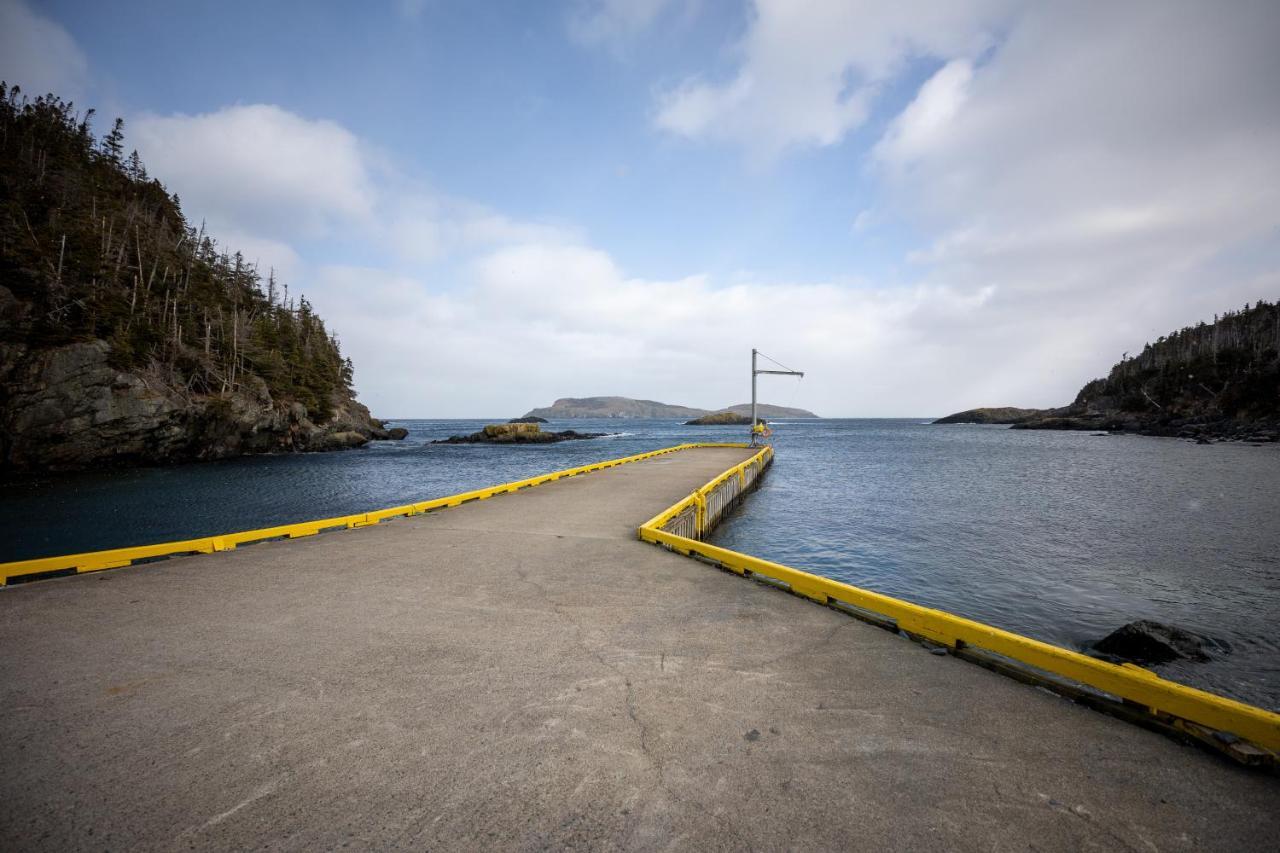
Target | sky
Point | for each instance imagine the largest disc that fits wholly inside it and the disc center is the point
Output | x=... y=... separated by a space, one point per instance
x=925 y=206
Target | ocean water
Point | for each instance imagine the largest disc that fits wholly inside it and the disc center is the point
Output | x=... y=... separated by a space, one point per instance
x=1062 y=536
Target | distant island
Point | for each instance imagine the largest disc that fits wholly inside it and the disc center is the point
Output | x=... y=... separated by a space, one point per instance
x=626 y=407
x=127 y=335
x=721 y=419
x=1213 y=380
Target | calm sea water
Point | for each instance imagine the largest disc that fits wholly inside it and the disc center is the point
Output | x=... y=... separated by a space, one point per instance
x=1058 y=535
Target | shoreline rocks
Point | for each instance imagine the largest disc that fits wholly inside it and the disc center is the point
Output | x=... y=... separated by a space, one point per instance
x=1104 y=421
x=1202 y=430
x=67 y=408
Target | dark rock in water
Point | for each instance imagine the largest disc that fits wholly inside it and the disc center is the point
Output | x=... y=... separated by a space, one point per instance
x=397 y=433
x=1145 y=642
x=520 y=437
x=528 y=419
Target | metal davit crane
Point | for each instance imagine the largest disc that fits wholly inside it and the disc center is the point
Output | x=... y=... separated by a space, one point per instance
x=755 y=371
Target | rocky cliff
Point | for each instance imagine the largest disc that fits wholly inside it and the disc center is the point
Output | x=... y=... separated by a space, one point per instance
x=128 y=336
x=67 y=407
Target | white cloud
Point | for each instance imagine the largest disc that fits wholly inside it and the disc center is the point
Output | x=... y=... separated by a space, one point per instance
x=424 y=227
x=1106 y=168
x=259 y=168
x=810 y=71
x=1122 y=143
x=37 y=54
x=925 y=123
x=264 y=177
x=533 y=322
x=267 y=255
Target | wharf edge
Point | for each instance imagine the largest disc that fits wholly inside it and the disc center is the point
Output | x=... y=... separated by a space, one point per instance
x=1244 y=732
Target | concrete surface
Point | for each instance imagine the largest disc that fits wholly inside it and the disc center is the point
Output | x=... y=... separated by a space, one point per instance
x=522 y=673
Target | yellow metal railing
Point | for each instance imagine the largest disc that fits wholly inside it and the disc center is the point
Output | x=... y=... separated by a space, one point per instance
x=680 y=526
x=117 y=557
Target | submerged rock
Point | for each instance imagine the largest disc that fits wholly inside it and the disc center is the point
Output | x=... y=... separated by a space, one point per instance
x=1146 y=642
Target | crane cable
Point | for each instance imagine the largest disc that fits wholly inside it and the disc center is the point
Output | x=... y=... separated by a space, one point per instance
x=795 y=392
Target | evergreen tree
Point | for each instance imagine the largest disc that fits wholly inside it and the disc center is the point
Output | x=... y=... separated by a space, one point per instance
x=96 y=249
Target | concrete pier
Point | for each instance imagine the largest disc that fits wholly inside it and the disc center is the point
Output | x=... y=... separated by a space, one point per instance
x=522 y=673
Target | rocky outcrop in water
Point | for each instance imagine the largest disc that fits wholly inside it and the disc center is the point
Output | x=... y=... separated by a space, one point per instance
x=539 y=437
x=1145 y=642
x=720 y=419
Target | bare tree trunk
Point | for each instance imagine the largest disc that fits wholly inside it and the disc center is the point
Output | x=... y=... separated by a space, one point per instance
x=1149 y=400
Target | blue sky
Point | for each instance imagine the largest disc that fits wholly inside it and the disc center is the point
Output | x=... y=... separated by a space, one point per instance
x=929 y=206
x=497 y=103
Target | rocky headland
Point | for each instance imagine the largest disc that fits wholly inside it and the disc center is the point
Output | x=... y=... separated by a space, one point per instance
x=1212 y=381
x=996 y=415
x=127 y=336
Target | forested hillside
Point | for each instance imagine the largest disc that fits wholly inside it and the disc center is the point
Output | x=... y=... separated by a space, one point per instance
x=1211 y=379
x=176 y=347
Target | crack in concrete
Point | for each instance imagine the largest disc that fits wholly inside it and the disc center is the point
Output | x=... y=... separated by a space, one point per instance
x=652 y=756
